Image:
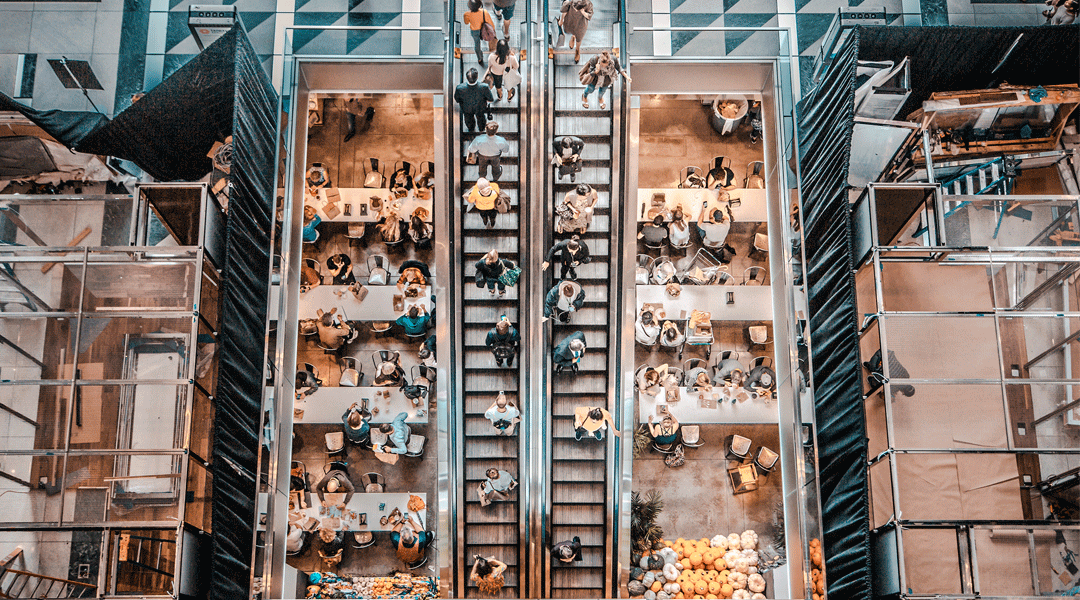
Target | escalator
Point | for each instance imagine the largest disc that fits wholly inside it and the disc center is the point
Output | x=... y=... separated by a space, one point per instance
x=491 y=530
x=578 y=470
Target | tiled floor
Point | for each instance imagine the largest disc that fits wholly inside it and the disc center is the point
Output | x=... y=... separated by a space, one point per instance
x=133 y=44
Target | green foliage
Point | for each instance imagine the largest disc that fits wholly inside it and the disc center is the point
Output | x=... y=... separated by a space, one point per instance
x=644 y=532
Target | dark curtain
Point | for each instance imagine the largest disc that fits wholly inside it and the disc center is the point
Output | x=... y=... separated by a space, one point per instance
x=964 y=58
x=244 y=293
x=825 y=119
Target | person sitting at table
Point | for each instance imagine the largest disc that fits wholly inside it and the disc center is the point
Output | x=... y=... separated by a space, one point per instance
x=671 y=336
x=701 y=382
x=568 y=551
x=666 y=431
x=678 y=230
x=317 y=177
x=569 y=351
x=391 y=227
x=309 y=278
x=311 y=222
x=299 y=537
x=714 y=231
x=340 y=266
x=502 y=340
x=298 y=487
x=488 y=572
x=400 y=179
x=331 y=483
x=729 y=372
x=413 y=272
x=390 y=373
x=692 y=375
x=333 y=544
x=668 y=380
x=720 y=177
x=306 y=384
x=761 y=379
x=654 y=233
x=563 y=299
x=589 y=420
x=397 y=433
x=646 y=330
x=420 y=230
x=415 y=322
x=330 y=334
x=355 y=424
x=648 y=380
x=496 y=486
x=504 y=416
x=426 y=354
x=410 y=540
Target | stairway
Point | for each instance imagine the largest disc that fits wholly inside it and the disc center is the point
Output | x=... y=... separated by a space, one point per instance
x=578 y=469
x=491 y=530
x=15 y=583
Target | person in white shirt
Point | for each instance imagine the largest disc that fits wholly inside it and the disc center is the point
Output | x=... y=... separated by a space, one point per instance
x=647 y=329
x=714 y=231
x=503 y=415
x=678 y=229
x=671 y=336
x=564 y=299
x=499 y=62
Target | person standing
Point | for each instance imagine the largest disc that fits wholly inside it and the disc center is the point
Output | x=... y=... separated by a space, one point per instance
x=503 y=341
x=353 y=109
x=568 y=156
x=473 y=98
x=488 y=574
x=501 y=61
x=504 y=416
x=594 y=421
x=571 y=253
x=504 y=9
x=489 y=148
x=475 y=18
x=576 y=210
x=569 y=351
x=575 y=22
x=568 y=551
x=495 y=271
x=563 y=299
x=483 y=196
x=600 y=72
x=496 y=486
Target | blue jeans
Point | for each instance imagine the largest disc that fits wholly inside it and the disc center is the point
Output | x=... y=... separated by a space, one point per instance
x=476 y=38
x=589 y=89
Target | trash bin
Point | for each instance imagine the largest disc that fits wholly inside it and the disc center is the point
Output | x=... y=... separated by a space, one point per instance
x=727 y=124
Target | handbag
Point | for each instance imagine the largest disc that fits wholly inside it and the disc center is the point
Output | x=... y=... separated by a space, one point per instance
x=510 y=277
x=471 y=158
x=511 y=78
x=676 y=458
x=586 y=75
x=487 y=32
x=502 y=202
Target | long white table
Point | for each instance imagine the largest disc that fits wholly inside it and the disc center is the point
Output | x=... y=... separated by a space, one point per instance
x=361 y=503
x=752 y=302
x=688 y=409
x=360 y=199
x=328 y=403
x=378 y=305
x=753 y=202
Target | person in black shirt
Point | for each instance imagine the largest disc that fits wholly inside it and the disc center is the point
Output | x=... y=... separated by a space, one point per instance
x=503 y=340
x=340 y=266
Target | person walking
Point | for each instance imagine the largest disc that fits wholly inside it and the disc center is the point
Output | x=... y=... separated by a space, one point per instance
x=568 y=551
x=476 y=18
x=504 y=416
x=567 y=156
x=569 y=351
x=594 y=421
x=571 y=253
x=575 y=22
x=353 y=109
x=600 y=72
x=473 y=98
x=503 y=341
x=483 y=196
x=495 y=271
x=504 y=10
x=576 y=210
x=488 y=574
x=488 y=149
x=501 y=62
x=564 y=299
x=496 y=486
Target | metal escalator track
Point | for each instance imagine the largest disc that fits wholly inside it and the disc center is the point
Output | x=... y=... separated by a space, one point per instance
x=578 y=470
x=492 y=530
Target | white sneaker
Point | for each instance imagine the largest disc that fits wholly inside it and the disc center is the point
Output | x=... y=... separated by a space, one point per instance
x=502 y=293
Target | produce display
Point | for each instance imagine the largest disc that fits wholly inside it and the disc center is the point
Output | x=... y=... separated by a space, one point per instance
x=400 y=585
x=817 y=569
x=721 y=567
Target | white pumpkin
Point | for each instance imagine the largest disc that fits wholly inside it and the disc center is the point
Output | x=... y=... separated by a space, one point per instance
x=748 y=540
x=751 y=570
x=740 y=595
x=679 y=566
x=751 y=557
x=734 y=541
x=672 y=588
x=644 y=562
x=755 y=583
x=730 y=557
x=718 y=541
x=670 y=556
x=737 y=580
x=670 y=572
x=742 y=566
x=648 y=579
x=758 y=597
x=650 y=595
x=663 y=596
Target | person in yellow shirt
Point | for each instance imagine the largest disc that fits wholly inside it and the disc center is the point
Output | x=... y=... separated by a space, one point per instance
x=483 y=196
x=592 y=421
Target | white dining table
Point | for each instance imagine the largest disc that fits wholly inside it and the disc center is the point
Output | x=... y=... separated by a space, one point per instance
x=361 y=503
x=359 y=202
x=688 y=410
x=378 y=305
x=753 y=203
x=752 y=302
x=328 y=403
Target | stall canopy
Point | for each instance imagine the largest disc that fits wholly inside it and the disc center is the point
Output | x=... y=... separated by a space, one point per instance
x=168 y=132
x=942 y=59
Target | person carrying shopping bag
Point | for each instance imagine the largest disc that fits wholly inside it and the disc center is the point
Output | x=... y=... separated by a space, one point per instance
x=503 y=68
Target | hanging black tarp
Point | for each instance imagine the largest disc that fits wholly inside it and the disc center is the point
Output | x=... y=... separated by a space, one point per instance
x=825 y=119
x=244 y=290
x=169 y=132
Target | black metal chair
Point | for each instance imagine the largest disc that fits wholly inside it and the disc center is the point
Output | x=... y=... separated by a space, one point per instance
x=766 y=459
x=374 y=177
x=737 y=447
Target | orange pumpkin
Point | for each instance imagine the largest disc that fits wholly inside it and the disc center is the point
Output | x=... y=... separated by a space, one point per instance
x=701 y=587
x=723 y=574
x=695 y=560
x=719 y=564
x=657 y=586
x=715 y=587
x=686 y=563
x=727 y=590
x=710 y=597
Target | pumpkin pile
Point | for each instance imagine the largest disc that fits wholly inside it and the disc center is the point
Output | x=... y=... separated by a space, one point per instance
x=817 y=569
x=400 y=585
x=721 y=567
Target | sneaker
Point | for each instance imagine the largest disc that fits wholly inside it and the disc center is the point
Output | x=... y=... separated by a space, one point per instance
x=573 y=177
x=492 y=290
x=502 y=293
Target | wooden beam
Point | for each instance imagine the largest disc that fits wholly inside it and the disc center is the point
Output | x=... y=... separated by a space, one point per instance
x=75 y=242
